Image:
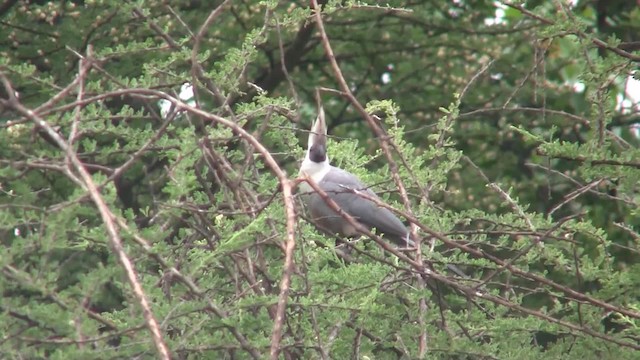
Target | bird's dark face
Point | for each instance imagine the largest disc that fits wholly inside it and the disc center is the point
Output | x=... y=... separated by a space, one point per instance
x=317 y=145
x=318 y=152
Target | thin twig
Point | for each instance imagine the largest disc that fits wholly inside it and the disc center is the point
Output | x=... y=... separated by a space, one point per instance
x=599 y=43
x=574 y=194
x=196 y=68
x=105 y=214
x=384 y=144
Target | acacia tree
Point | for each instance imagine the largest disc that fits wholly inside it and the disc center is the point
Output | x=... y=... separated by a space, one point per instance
x=139 y=222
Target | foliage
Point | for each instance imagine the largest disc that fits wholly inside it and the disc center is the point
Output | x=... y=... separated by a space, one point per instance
x=519 y=163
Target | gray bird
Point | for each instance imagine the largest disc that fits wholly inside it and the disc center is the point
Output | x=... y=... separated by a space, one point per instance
x=338 y=184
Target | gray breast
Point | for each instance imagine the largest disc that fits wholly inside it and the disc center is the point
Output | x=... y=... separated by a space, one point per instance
x=337 y=184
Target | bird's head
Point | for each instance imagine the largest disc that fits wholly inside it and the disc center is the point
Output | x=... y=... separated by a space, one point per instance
x=316 y=162
x=317 y=144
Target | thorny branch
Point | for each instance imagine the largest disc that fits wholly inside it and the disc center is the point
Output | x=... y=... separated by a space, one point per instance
x=599 y=43
x=179 y=105
x=105 y=213
x=249 y=268
x=384 y=144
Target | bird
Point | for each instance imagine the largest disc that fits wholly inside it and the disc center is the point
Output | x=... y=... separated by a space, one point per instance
x=342 y=186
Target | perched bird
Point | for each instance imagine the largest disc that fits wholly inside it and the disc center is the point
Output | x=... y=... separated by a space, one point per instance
x=339 y=185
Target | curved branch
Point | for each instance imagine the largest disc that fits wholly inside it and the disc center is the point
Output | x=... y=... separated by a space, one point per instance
x=105 y=214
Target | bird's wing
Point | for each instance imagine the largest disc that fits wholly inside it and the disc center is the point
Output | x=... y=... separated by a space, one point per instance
x=338 y=184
